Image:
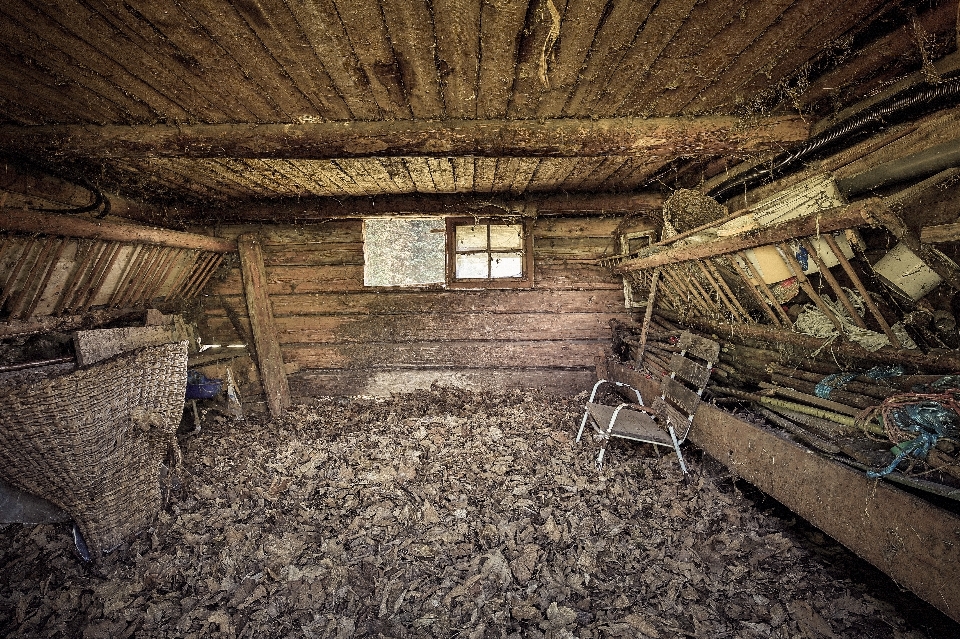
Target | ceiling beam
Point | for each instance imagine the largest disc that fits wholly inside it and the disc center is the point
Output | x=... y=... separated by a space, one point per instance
x=669 y=137
x=303 y=210
x=31 y=189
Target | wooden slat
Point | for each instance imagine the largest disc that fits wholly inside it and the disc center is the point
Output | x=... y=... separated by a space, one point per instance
x=834 y=21
x=796 y=37
x=706 y=349
x=577 y=30
x=187 y=40
x=145 y=75
x=261 y=71
x=680 y=396
x=50 y=94
x=839 y=218
x=400 y=303
x=441 y=171
x=14 y=274
x=940 y=233
x=51 y=267
x=410 y=25
x=363 y=23
x=660 y=27
x=284 y=41
x=463 y=174
x=612 y=41
x=269 y=357
x=33 y=274
x=439 y=326
x=500 y=27
x=37 y=36
x=326 y=36
x=722 y=49
x=458 y=42
x=540 y=33
x=464 y=355
x=694 y=373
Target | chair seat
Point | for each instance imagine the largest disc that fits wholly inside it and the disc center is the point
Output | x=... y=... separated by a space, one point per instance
x=630 y=424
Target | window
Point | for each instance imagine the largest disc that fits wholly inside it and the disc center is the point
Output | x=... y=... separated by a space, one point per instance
x=403 y=251
x=489 y=254
x=453 y=253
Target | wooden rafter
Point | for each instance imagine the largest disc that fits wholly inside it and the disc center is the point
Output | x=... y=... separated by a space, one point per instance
x=566 y=137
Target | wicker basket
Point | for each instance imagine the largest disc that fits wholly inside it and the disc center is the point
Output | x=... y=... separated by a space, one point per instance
x=92 y=441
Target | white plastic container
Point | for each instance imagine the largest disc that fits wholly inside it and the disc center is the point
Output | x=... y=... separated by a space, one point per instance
x=906 y=273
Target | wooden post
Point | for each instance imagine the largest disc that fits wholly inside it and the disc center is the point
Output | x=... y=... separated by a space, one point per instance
x=265 y=341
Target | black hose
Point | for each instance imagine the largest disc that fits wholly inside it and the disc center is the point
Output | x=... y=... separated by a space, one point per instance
x=99 y=200
x=909 y=103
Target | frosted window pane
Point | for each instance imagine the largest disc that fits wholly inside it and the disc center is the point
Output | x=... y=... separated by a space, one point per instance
x=504 y=236
x=506 y=265
x=472 y=265
x=404 y=251
x=471 y=238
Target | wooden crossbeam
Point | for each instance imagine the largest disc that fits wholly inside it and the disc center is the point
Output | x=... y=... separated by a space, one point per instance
x=67 y=226
x=841 y=217
x=669 y=137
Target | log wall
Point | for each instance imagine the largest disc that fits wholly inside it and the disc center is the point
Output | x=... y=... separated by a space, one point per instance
x=340 y=338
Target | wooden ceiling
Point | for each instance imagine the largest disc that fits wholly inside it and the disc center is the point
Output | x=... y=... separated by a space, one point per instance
x=307 y=64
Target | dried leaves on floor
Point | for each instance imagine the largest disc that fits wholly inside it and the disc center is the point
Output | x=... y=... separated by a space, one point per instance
x=436 y=514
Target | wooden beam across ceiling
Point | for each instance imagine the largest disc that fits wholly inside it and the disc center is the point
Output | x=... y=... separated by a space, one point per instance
x=672 y=137
x=306 y=209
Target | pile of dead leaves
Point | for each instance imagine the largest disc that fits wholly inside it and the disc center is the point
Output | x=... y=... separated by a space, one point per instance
x=437 y=514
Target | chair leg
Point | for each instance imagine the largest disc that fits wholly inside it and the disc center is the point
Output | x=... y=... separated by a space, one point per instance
x=583 y=424
x=603 y=451
x=676 y=446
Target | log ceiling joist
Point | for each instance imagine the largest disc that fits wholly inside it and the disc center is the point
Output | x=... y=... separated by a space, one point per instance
x=440 y=204
x=665 y=137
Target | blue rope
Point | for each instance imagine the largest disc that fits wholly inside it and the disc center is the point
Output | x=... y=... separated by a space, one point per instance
x=838 y=380
x=931 y=420
x=827 y=385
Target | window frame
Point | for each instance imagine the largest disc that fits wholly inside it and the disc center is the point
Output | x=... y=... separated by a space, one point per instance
x=524 y=281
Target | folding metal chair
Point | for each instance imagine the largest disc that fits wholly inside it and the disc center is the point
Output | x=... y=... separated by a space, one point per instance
x=668 y=421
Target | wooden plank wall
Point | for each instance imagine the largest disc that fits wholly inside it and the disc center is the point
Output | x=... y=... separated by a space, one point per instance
x=339 y=338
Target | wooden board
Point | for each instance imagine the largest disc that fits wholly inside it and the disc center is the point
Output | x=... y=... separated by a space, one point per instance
x=269 y=355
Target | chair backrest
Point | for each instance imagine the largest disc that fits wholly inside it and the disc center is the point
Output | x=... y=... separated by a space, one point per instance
x=682 y=391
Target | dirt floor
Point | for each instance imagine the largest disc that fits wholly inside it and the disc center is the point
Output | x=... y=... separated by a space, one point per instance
x=448 y=513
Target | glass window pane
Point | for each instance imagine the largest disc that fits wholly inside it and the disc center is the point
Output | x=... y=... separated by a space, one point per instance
x=506 y=236
x=404 y=251
x=472 y=238
x=506 y=265
x=472 y=265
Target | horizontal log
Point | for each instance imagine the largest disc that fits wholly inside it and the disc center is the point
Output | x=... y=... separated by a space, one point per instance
x=416 y=302
x=707 y=135
x=940 y=233
x=309 y=384
x=432 y=327
x=67 y=226
x=842 y=217
x=50 y=324
x=946 y=362
x=32 y=184
x=308 y=209
x=462 y=355
x=299 y=279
